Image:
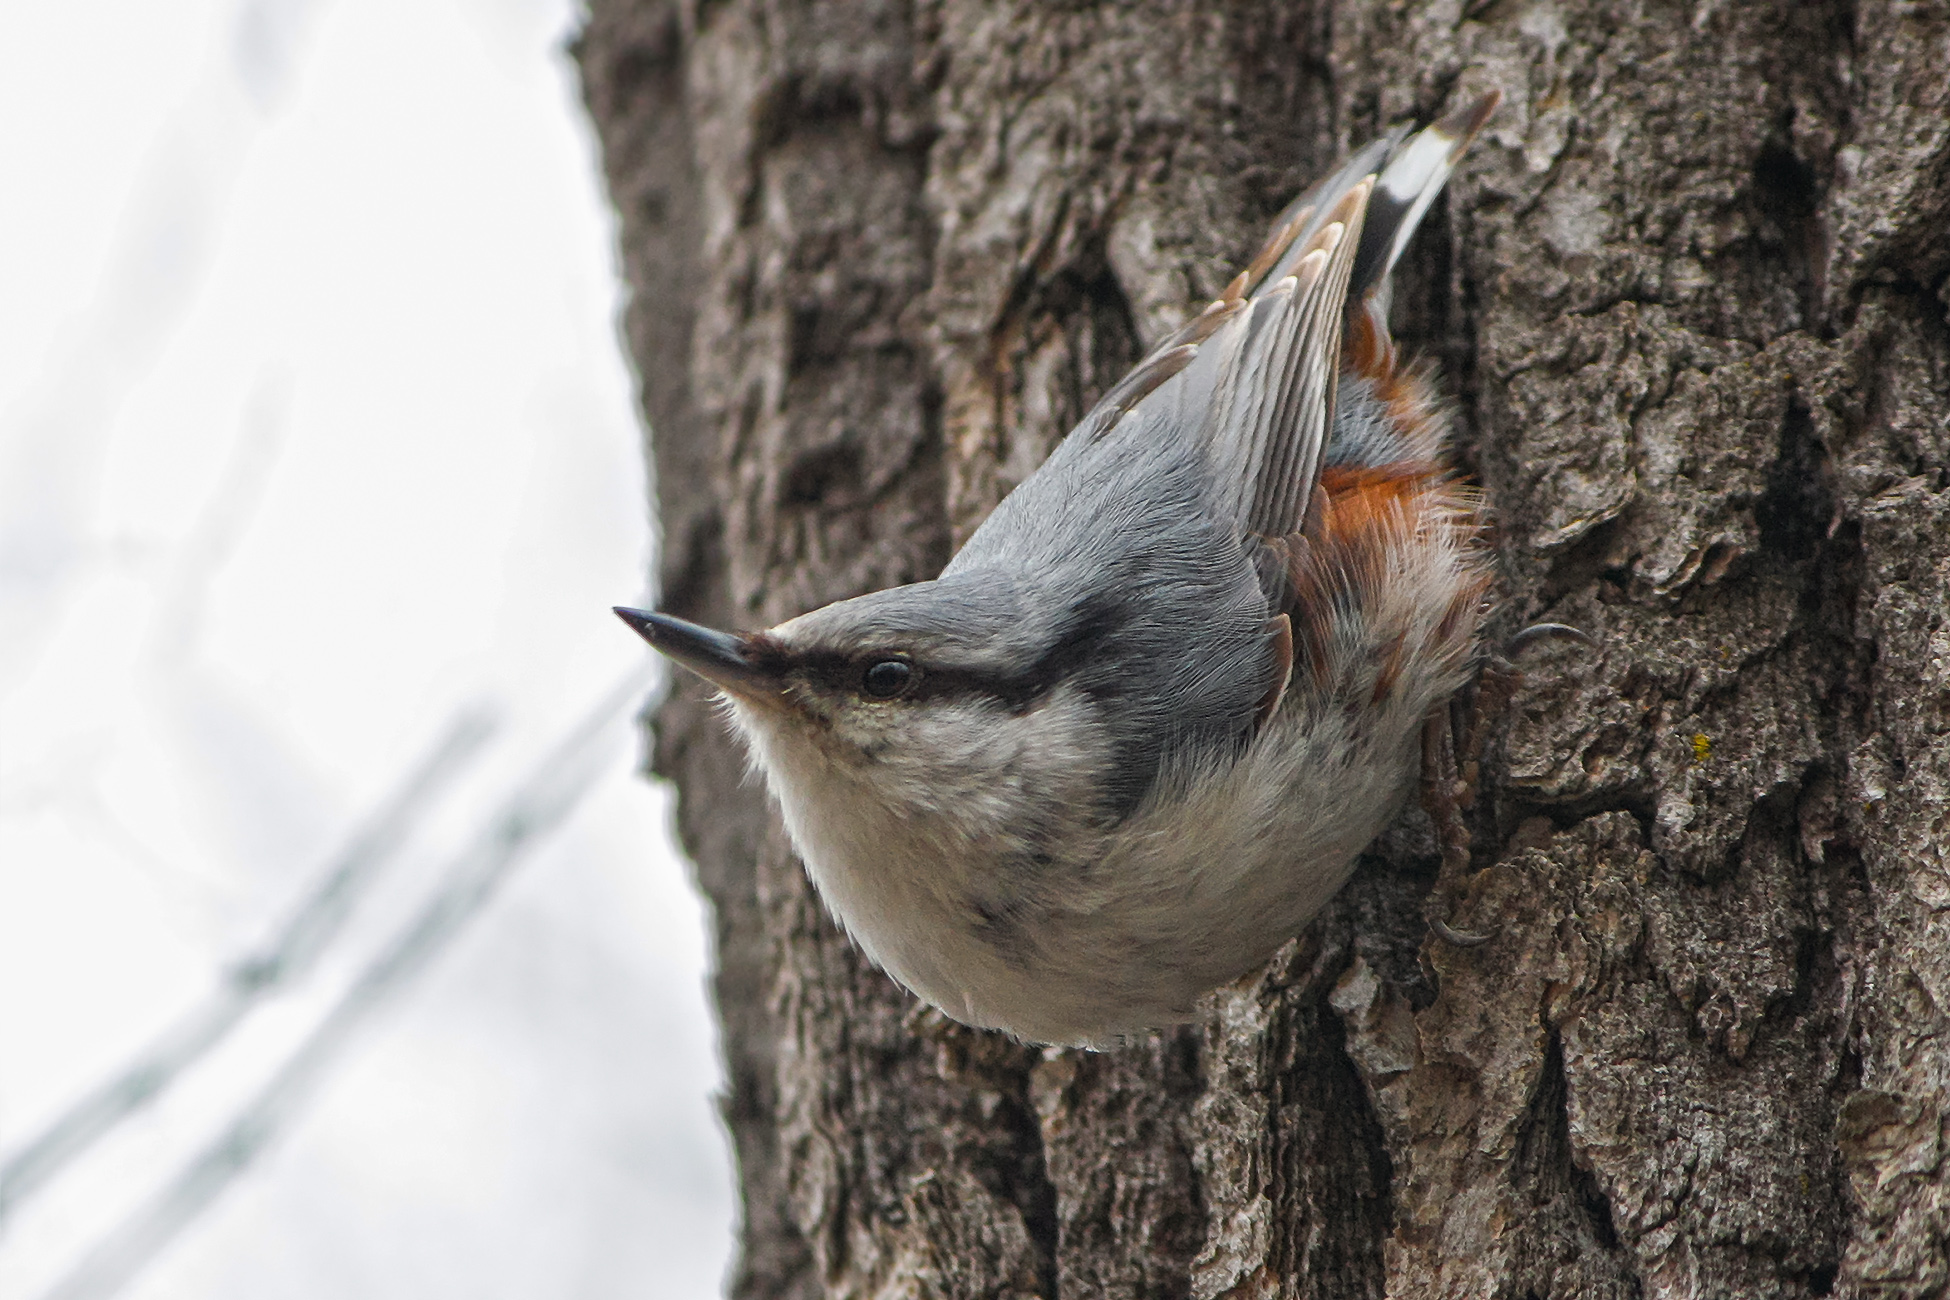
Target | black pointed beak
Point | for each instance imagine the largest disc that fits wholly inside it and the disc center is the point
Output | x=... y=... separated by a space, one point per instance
x=717 y=657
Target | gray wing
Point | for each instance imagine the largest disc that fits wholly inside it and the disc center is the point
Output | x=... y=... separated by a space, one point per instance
x=1262 y=387
x=1289 y=240
x=1252 y=378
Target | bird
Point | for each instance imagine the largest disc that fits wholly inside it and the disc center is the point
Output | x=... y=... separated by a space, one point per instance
x=1134 y=736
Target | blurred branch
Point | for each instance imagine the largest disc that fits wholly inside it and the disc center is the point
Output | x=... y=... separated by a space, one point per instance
x=531 y=812
x=233 y=503
x=287 y=957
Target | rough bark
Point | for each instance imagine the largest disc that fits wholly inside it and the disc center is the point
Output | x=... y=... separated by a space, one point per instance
x=1689 y=292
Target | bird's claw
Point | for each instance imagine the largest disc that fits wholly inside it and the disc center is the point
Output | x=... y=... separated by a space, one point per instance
x=1536 y=632
x=1459 y=938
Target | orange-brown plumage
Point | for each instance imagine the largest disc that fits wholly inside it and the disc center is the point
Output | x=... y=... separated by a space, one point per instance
x=1366 y=525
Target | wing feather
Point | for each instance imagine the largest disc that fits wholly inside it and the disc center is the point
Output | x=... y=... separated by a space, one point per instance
x=1253 y=376
x=1273 y=402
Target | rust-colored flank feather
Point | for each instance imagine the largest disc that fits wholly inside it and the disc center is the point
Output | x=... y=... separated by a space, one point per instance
x=1346 y=565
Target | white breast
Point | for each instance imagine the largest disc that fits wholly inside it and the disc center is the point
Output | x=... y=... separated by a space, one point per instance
x=1123 y=932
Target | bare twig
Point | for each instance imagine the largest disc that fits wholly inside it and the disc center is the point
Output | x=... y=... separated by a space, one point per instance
x=531 y=812
x=287 y=957
x=220 y=525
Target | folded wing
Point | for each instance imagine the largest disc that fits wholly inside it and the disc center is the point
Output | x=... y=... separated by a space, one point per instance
x=1252 y=378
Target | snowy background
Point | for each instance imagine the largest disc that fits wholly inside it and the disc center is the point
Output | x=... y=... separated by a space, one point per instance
x=315 y=436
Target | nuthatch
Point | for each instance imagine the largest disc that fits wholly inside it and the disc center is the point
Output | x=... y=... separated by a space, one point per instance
x=1133 y=737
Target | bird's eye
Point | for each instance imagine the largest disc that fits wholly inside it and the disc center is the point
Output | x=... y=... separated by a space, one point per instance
x=888 y=678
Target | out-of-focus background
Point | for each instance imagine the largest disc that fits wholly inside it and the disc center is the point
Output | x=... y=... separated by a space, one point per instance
x=316 y=444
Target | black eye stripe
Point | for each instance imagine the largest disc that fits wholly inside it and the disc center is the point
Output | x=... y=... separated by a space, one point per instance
x=1015 y=692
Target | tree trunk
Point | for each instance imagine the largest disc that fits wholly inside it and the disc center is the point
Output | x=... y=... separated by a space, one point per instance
x=1688 y=291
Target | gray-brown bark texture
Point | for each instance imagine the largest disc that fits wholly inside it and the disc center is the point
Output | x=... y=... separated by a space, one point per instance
x=1689 y=292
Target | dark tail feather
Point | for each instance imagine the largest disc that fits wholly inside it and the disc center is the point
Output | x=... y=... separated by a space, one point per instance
x=1415 y=173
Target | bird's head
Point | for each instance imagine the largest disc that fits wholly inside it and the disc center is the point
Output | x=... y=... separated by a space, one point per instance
x=946 y=696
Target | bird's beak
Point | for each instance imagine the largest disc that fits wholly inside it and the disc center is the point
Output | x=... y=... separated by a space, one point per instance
x=718 y=657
